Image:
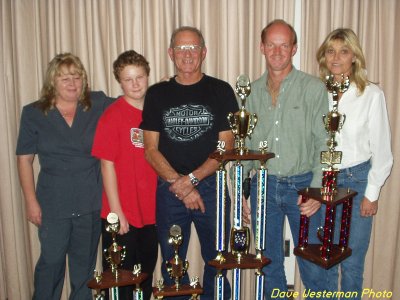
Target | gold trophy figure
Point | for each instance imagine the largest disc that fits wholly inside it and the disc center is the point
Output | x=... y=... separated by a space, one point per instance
x=176 y=267
x=242 y=122
x=114 y=254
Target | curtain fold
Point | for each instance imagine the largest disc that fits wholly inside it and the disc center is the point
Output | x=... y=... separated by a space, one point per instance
x=33 y=32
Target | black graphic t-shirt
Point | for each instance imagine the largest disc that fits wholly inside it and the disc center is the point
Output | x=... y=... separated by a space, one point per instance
x=188 y=118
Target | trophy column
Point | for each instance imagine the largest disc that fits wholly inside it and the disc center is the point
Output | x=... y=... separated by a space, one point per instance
x=242 y=124
x=113 y=277
x=328 y=254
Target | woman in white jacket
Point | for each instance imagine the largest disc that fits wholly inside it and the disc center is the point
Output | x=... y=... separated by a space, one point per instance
x=365 y=143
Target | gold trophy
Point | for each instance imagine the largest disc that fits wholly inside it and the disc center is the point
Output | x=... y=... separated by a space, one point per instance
x=114 y=254
x=176 y=269
x=114 y=278
x=242 y=122
x=328 y=254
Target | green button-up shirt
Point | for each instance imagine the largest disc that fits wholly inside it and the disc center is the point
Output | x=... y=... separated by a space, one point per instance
x=293 y=128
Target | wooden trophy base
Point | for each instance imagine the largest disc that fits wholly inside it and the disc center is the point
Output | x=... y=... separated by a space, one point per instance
x=337 y=253
x=109 y=281
x=312 y=253
x=338 y=197
x=171 y=291
x=247 y=261
x=230 y=155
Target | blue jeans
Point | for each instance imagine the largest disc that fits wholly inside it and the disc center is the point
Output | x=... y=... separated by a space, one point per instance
x=282 y=201
x=171 y=210
x=352 y=268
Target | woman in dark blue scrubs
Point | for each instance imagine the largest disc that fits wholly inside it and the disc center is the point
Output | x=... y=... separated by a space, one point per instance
x=65 y=205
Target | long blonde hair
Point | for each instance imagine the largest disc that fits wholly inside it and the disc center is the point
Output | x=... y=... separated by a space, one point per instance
x=48 y=92
x=349 y=38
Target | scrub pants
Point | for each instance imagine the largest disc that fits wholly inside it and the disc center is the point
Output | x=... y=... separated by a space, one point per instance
x=77 y=237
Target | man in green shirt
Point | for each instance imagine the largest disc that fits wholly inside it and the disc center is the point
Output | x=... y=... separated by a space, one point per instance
x=290 y=105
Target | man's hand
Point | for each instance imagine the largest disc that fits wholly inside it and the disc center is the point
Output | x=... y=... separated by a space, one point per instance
x=368 y=208
x=194 y=201
x=308 y=208
x=181 y=187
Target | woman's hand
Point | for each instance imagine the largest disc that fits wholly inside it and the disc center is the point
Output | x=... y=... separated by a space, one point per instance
x=368 y=208
x=34 y=212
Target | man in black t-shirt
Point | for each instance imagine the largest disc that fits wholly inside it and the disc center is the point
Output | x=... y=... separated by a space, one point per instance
x=183 y=119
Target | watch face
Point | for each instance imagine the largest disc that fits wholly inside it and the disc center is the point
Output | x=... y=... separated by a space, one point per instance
x=195 y=181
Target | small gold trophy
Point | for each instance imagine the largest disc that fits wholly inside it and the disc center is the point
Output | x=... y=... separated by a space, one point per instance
x=114 y=278
x=176 y=267
x=242 y=122
x=114 y=254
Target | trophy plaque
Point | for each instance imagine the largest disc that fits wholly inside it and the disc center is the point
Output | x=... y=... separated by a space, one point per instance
x=242 y=124
x=177 y=268
x=329 y=254
x=113 y=278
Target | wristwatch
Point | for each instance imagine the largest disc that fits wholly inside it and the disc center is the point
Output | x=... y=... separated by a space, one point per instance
x=194 y=180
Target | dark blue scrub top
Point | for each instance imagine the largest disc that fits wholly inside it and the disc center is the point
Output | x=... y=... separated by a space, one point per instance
x=69 y=182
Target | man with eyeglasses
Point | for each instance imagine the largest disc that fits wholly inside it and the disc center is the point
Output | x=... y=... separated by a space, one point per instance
x=183 y=119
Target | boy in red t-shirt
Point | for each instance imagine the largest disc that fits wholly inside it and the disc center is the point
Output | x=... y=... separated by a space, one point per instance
x=129 y=181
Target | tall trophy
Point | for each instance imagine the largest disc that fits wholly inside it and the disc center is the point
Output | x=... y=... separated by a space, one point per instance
x=328 y=254
x=242 y=124
x=114 y=277
x=177 y=268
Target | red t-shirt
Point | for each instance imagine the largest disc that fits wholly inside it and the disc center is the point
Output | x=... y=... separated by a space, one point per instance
x=119 y=139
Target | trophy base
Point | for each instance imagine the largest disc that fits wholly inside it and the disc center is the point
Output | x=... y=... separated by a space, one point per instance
x=170 y=291
x=247 y=261
x=108 y=280
x=312 y=253
x=340 y=196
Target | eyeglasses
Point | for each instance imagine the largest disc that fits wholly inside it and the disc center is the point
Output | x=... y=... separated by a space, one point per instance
x=190 y=48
